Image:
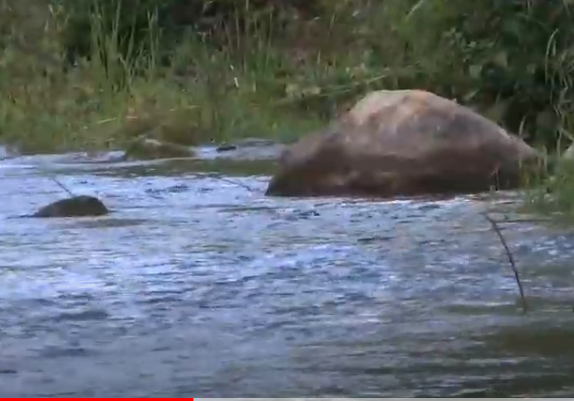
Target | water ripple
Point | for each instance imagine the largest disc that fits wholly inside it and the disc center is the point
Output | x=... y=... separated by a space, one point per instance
x=198 y=287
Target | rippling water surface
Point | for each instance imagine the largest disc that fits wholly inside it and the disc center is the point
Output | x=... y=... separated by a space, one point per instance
x=195 y=286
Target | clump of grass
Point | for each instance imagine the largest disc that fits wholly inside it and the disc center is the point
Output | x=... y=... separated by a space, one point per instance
x=552 y=192
x=99 y=103
x=48 y=108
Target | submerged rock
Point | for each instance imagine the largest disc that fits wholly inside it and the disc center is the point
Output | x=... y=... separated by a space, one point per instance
x=149 y=148
x=226 y=147
x=402 y=143
x=76 y=206
x=245 y=149
x=246 y=143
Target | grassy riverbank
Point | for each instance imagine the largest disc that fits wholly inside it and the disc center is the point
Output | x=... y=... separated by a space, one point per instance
x=258 y=83
x=553 y=196
x=277 y=73
x=205 y=93
x=280 y=75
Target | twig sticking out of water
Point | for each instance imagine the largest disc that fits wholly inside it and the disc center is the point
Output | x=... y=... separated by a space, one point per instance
x=498 y=232
x=234 y=182
x=62 y=185
x=53 y=178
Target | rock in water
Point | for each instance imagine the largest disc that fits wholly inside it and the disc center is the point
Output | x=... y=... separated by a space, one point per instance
x=402 y=143
x=77 y=206
x=149 y=148
x=226 y=147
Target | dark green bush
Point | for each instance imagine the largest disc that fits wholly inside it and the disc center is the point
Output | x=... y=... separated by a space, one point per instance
x=515 y=57
x=132 y=20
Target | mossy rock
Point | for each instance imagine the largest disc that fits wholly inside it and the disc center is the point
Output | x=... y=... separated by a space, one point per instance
x=175 y=127
x=143 y=148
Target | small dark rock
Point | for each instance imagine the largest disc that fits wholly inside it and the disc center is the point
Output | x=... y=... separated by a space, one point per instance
x=247 y=143
x=77 y=206
x=369 y=240
x=308 y=213
x=8 y=371
x=226 y=148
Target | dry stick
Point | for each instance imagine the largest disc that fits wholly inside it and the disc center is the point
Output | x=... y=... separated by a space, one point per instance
x=217 y=177
x=528 y=220
x=53 y=177
x=247 y=187
x=496 y=229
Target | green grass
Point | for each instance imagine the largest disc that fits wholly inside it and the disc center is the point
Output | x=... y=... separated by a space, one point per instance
x=258 y=84
x=551 y=193
x=251 y=87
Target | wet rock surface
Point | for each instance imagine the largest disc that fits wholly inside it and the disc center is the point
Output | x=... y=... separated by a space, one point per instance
x=76 y=206
x=149 y=148
x=226 y=148
x=402 y=143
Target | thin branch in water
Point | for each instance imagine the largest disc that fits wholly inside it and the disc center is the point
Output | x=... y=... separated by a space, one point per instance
x=62 y=186
x=53 y=178
x=233 y=182
x=498 y=232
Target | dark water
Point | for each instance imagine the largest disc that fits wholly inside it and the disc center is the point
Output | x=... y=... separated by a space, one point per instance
x=195 y=286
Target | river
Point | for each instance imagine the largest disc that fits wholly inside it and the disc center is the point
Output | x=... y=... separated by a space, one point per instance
x=198 y=286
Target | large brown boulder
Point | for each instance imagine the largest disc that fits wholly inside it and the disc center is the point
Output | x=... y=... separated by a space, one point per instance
x=402 y=143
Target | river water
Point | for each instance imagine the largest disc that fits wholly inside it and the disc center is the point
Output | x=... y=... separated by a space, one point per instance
x=198 y=286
